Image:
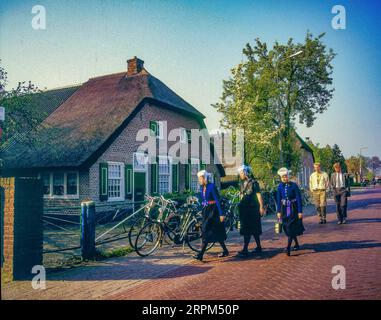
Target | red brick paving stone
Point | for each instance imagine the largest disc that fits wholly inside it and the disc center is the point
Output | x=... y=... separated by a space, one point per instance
x=304 y=275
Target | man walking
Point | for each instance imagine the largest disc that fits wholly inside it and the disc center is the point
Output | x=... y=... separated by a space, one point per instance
x=341 y=191
x=319 y=183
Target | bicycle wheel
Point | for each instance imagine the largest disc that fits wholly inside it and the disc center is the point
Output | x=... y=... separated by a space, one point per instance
x=172 y=226
x=194 y=236
x=148 y=239
x=273 y=206
x=229 y=222
x=136 y=226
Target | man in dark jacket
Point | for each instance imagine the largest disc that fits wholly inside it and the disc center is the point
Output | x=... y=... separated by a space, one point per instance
x=341 y=191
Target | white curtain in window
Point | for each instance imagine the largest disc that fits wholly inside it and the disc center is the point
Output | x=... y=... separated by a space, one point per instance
x=164 y=175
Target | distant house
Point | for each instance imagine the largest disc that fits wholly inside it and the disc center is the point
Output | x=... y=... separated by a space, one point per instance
x=86 y=147
x=302 y=177
x=307 y=163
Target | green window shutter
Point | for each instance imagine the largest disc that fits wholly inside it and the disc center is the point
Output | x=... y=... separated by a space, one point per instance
x=175 y=178
x=154 y=177
x=128 y=181
x=187 y=176
x=154 y=128
x=103 y=181
x=189 y=135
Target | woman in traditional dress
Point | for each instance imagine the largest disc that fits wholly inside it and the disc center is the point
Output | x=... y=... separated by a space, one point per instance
x=250 y=210
x=290 y=209
x=213 y=229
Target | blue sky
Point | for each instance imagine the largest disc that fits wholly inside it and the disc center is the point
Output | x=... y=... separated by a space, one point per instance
x=192 y=45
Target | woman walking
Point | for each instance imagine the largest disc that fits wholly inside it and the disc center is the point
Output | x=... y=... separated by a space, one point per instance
x=213 y=229
x=290 y=209
x=250 y=210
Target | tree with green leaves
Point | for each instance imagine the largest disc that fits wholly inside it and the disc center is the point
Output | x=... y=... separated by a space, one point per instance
x=328 y=156
x=21 y=115
x=337 y=156
x=270 y=90
x=353 y=166
x=324 y=156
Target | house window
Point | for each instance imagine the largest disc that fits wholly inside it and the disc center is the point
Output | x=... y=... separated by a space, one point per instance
x=157 y=129
x=46 y=183
x=160 y=126
x=164 y=175
x=189 y=135
x=212 y=177
x=71 y=183
x=58 y=184
x=195 y=167
x=183 y=135
x=115 y=181
x=305 y=174
x=140 y=161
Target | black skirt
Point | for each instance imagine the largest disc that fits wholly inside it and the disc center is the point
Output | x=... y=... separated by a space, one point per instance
x=250 y=219
x=292 y=225
x=213 y=229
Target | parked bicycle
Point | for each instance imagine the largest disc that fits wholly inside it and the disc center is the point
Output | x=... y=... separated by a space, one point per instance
x=229 y=206
x=270 y=202
x=151 y=208
x=306 y=198
x=181 y=227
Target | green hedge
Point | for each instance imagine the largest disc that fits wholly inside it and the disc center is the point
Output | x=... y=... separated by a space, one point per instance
x=180 y=197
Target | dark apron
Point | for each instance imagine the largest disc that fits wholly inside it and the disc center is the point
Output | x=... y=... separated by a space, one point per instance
x=213 y=229
x=292 y=225
x=250 y=219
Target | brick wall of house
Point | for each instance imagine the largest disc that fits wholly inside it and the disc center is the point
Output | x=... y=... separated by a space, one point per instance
x=22 y=237
x=307 y=168
x=125 y=144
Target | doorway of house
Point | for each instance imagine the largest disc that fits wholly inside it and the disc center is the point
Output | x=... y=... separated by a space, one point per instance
x=139 y=188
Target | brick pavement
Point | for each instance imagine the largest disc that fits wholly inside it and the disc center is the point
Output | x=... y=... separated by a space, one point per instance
x=305 y=275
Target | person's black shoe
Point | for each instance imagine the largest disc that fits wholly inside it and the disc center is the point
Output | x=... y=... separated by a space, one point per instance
x=321 y=222
x=296 y=248
x=197 y=257
x=257 y=250
x=339 y=222
x=344 y=221
x=243 y=253
x=223 y=254
x=288 y=252
x=324 y=221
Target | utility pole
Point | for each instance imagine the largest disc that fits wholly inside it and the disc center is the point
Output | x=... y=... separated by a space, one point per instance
x=360 y=169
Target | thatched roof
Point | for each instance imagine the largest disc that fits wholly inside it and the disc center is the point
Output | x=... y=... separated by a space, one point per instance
x=87 y=121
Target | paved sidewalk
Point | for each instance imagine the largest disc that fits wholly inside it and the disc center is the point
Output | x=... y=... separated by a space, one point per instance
x=172 y=274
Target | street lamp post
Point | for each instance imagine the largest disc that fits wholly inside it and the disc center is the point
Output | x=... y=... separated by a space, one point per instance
x=362 y=148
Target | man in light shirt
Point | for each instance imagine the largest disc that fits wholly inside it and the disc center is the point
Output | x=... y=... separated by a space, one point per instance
x=341 y=191
x=319 y=183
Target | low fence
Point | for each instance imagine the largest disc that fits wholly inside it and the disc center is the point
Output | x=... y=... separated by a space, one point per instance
x=73 y=236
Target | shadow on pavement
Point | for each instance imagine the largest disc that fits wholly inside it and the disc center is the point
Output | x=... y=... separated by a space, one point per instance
x=366 y=220
x=363 y=204
x=337 y=246
x=125 y=272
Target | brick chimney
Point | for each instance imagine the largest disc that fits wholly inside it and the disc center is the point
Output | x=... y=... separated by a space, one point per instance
x=134 y=66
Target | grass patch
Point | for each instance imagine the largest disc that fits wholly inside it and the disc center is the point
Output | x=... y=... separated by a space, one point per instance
x=119 y=252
